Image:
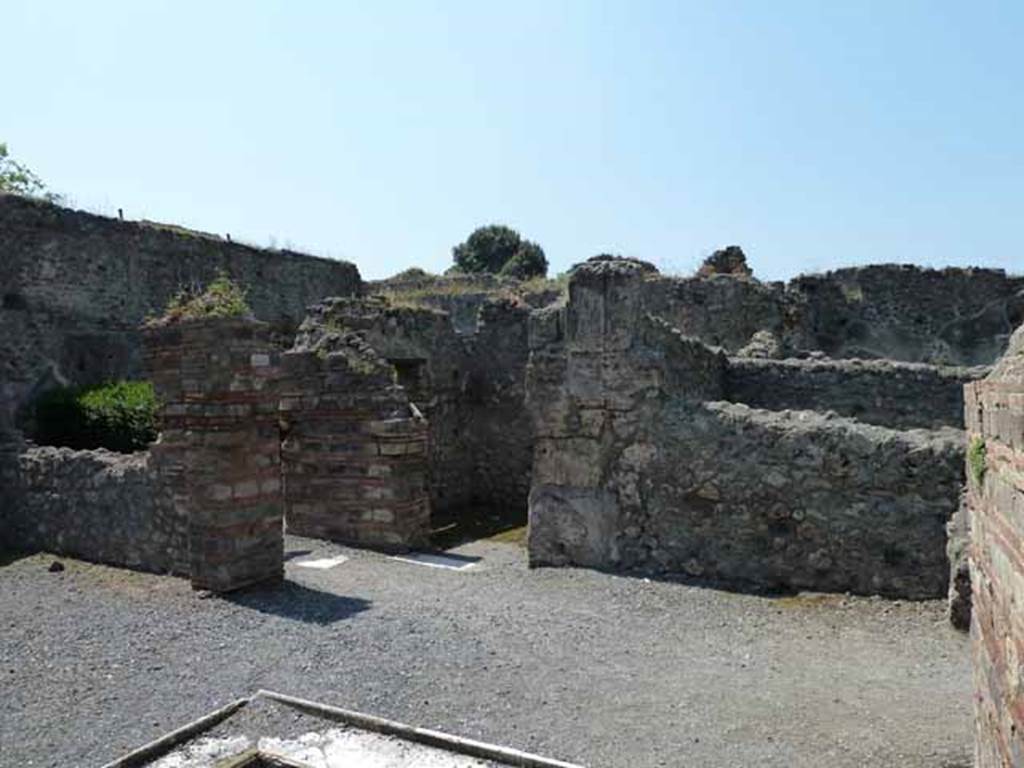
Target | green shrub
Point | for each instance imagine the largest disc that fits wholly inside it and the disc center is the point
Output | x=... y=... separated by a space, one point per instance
x=527 y=262
x=977 y=455
x=499 y=249
x=223 y=297
x=119 y=416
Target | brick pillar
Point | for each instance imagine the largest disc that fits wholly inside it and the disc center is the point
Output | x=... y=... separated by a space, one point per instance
x=995 y=469
x=219 y=446
x=354 y=452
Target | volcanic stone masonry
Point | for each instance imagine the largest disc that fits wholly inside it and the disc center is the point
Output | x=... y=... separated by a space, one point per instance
x=995 y=459
x=883 y=392
x=97 y=505
x=218 y=451
x=638 y=465
x=897 y=312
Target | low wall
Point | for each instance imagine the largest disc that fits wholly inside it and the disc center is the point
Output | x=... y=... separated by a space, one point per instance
x=995 y=420
x=890 y=394
x=96 y=505
x=793 y=500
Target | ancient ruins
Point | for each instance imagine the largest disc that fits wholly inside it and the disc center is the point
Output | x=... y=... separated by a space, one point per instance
x=772 y=437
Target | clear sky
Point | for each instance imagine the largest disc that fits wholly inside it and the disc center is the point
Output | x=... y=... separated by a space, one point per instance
x=814 y=134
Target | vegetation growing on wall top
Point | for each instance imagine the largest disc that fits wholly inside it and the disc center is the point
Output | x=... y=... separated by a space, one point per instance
x=221 y=298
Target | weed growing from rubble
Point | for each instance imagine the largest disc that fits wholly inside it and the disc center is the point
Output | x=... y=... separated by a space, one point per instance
x=221 y=298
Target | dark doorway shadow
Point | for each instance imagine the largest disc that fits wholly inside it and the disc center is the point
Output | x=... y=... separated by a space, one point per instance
x=9 y=557
x=293 y=553
x=452 y=526
x=295 y=601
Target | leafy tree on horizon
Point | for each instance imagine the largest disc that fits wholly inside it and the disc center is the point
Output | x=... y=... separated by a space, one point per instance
x=18 y=179
x=500 y=250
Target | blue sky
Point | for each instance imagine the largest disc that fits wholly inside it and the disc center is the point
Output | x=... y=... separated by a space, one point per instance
x=814 y=134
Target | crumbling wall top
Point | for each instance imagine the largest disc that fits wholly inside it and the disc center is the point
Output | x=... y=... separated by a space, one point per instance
x=726 y=261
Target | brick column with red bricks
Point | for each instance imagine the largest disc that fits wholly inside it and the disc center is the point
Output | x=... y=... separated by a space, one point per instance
x=995 y=422
x=219 y=448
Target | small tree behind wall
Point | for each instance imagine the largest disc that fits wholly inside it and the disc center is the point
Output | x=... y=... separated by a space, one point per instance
x=500 y=250
x=17 y=179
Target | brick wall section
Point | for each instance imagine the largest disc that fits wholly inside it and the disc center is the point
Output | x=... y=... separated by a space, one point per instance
x=218 y=451
x=995 y=415
x=354 y=452
x=470 y=387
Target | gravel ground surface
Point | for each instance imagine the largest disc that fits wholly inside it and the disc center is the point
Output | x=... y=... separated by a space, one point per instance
x=574 y=664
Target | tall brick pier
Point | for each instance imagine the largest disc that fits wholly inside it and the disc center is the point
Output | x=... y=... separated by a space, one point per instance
x=995 y=422
x=218 y=452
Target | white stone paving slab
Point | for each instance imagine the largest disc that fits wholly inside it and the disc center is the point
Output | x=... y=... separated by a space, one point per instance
x=450 y=562
x=322 y=563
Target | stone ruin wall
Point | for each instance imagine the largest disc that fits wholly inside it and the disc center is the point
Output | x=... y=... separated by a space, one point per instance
x=901 y=312
x=428 y=360
x=96 y=505
x=882 y=392
x=462 y=296
x=203 y=502
x=250 y=439
x=956 y=317
x=995 y=504
x=77 y=285
x=649 y=449
x=74 y=288
x=640 y=464
x=470 y=388
x=354 y=451
x=800 y=500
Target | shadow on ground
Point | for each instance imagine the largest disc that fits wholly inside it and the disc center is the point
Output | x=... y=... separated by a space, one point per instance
x=295 y=601
x=452 y=527
x=6 y=558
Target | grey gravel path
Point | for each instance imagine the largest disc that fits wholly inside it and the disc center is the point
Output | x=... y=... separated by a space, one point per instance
x=600 y=669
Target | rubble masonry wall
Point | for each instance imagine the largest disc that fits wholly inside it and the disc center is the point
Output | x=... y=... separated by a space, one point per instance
x=882 y=392
x=640 y=465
